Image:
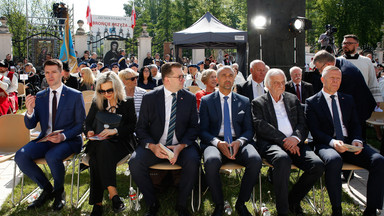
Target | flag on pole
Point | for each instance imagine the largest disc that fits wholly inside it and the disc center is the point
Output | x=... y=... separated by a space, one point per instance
x=89 y=15
x=133 y=16
x=67 y=51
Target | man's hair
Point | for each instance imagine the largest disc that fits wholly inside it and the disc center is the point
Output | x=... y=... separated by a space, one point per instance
x=293 y=69
x=224 y=68
x=29 y=64
x=323 y=57
x=273 y=72
x=152 y=66
x=329 y=68
x=56 y=62
x=352 y=36
x=166 y=69
x=121 y=51
x=255 y=62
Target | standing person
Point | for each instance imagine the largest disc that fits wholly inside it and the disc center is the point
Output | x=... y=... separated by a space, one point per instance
x=255 y=87
x=148 y=60
x=129 y=78
x=105 y=154
x=12 y=88
x=145 y=80
x=87 y=80
x=218 y=134
x=333 y=121
x=280 y=131
x=56 y=108
x=297 y=86
x=122 y=60
x=157 y=126
x=209 y=79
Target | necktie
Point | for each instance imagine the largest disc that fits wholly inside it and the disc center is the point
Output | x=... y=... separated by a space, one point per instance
x=54 y=108
x=298 y=91
x=259 y=90
x=172 y=121
x=336 y=120
x=227 y=122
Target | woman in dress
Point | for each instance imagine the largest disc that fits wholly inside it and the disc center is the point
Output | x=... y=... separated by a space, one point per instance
x=208 y=77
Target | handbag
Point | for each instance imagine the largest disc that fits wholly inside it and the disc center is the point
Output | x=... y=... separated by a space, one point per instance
x=106 y=120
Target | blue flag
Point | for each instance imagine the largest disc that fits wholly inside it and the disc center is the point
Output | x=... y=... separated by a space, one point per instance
x=67 y=51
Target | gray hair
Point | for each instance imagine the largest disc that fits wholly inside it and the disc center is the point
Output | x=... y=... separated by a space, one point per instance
x=255 y=62
x=224 y=68
x=206 y=74
x=293 y=69
x=235 y=65
x=323 y=57
x=328 y=69
x=273 y=72
x=117 y=84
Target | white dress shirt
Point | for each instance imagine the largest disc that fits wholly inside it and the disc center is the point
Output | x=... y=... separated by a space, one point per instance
x=257 y=88
x=168 y=107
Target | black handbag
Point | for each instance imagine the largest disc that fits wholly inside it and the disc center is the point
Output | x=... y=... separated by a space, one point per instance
x=106 y=120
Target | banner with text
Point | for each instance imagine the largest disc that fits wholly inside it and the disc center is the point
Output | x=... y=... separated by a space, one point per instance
x=111 y=25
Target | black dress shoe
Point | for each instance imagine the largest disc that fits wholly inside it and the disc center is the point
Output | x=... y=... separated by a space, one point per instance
x=242 y=210
x=45 y=196
x=97 y=210
x=59 y=202
x=337 y=211
x=270 y=175
x=219 y=210
x=296 y=209
x=153 y=209
x=117 y=204
x=369 y=212
x=182 y=211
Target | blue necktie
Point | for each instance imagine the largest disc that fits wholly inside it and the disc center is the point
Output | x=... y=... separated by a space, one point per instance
x=227 y=122
x=172 y=121
x=336 y=120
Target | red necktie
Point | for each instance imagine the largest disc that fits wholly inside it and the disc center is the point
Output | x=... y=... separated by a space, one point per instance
x=298 y=91
x=54 y=108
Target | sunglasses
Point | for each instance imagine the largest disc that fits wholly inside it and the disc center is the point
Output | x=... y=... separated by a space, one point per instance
x=132 y=78
x=109 y=91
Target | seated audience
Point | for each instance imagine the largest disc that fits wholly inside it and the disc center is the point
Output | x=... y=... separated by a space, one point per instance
x=145 y=80
x=87 y=80
x=209 y=79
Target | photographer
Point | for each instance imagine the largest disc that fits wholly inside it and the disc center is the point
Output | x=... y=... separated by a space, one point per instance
x=327 y=39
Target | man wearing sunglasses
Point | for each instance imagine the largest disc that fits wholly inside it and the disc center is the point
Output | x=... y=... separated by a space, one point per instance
x=168 y=116
x=56 y=108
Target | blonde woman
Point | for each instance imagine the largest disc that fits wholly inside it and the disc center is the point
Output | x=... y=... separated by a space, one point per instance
x=87 y=81
x=105 y=154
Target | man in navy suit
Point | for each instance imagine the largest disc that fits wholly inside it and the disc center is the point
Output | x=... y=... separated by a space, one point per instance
x=220 y=131
x=280 y=130
x=254 y=87
x=333 y=121
x=56 y=108
x=168 y=116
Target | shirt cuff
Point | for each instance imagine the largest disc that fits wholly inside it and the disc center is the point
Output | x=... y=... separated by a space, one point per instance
x=30 y=116
x=356 y=140
x=241 y=142
x=215 y=141
x=298 y=139
x=331 y=143
x=64 y=136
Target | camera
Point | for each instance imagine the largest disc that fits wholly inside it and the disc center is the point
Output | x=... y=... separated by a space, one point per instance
x=330 y=29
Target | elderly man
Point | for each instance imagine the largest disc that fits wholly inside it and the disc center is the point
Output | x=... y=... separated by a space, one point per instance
x=333 y=121
x=194 y=77
x=168 y=117
x=221 y=131
x=297 y=86
x=239 y=78
x=280 y=131
x=255 y=87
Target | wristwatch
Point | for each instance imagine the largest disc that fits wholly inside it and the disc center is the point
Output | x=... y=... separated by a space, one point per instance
x=147 y=146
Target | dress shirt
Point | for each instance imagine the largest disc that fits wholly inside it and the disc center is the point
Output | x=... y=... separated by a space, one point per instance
x=257 y=86
x=215 y=140
x=283 y=123
x=168 y=107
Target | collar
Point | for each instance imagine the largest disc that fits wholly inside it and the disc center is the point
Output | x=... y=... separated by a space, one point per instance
x=353 y=56
x=222 y=96
x=255 y=83
x=326 y=95
x=58 y=90
x=273 y=100
x=168 y=93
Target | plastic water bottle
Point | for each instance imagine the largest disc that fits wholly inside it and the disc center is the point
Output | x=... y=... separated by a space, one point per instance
x=227 y=208
x=265 y=211
x=134 y=199
x=127 y=172
x=34 y=196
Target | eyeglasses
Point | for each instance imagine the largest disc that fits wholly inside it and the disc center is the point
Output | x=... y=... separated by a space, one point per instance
x=349 y=43
x=321 y=67
x=109 y=91
x=132 y=78
x=180 y=77
x=94 y=69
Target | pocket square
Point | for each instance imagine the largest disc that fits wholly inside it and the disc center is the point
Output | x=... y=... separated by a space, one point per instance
x=241 y=112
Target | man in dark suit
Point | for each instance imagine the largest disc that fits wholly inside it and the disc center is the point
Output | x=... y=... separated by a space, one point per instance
x=297 y=86
x=220 y=131
x=280 y=133
x=168 y=116
x=333 y=121
x=255 y=87
x=68 y=79
x=56 y=108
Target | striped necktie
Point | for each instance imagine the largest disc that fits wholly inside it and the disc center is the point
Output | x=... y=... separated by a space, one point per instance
x=172 y=120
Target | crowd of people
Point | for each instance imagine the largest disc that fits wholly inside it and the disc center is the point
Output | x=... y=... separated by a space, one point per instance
x=151 y=112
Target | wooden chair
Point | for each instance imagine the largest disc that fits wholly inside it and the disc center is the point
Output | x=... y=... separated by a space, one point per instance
x=377 y=118
x=14 y=135
x=21 y=93
x=88 y=99
x=167 y=166
x=88 y=92
x=87 y=107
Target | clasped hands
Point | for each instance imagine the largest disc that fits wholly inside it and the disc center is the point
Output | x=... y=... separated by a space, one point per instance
x=224 y=148
x=290 y=144
x=162 y=154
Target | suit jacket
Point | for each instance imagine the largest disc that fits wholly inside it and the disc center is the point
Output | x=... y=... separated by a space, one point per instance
x=265 y=121
x=127 y=124
x=306 y=89
x=246 y=90
x=70 y=116
x=320 y=121
x=353 y=83
x=211 y=118
x=150 y=126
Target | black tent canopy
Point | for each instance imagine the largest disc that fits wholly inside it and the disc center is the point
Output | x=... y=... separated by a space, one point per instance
x=209 y=32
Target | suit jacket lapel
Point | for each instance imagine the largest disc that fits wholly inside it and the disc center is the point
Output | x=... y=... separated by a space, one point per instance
x=61 y=102
x=271 y=110
x=217 y=104
x=161 y=107
x=250 y=89
x=45 y=118
x=324 y=106
x=342 y=105
x=234 y=107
